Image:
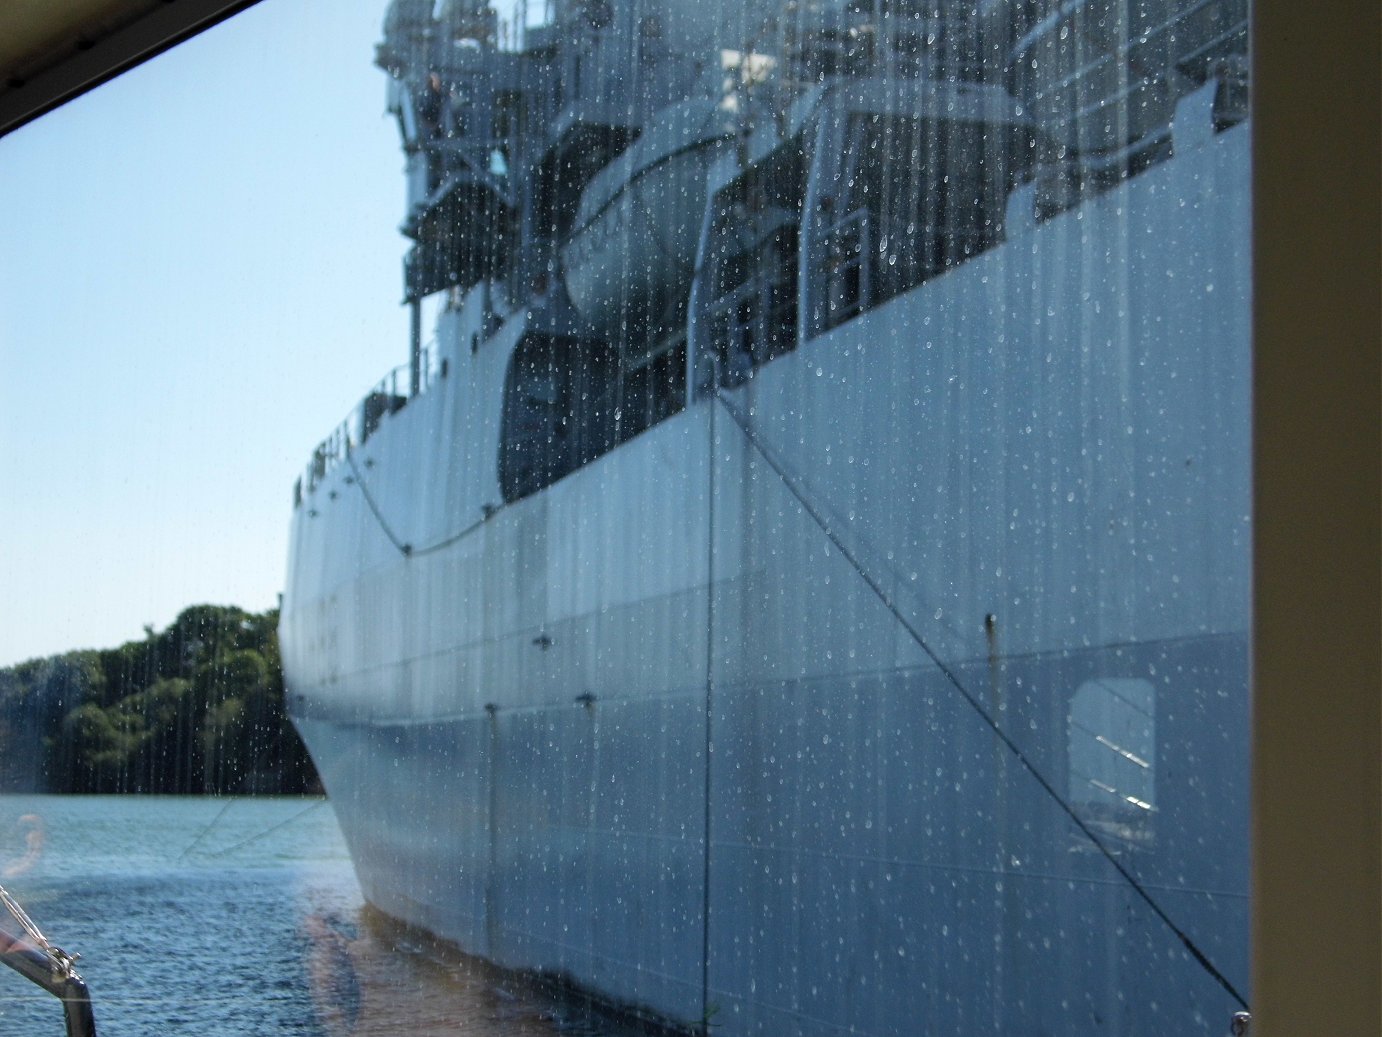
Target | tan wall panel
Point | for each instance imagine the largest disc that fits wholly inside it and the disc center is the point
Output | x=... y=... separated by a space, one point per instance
x=1318 y=632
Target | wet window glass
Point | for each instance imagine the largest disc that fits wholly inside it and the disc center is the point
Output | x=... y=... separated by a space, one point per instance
x=791 y=577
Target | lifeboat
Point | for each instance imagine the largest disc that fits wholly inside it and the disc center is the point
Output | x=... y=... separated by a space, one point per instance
x=628 y=264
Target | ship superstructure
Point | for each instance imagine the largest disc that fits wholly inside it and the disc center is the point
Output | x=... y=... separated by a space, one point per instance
x=805 y=587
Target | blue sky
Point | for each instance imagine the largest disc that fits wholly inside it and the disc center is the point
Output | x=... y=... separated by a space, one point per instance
x=199 y=275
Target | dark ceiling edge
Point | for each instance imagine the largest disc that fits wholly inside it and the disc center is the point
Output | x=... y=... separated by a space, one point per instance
x=106 y=58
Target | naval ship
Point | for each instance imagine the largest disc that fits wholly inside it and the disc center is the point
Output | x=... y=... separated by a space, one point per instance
x=802 y=584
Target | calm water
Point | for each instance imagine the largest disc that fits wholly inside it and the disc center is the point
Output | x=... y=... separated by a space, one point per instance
x=197 y=916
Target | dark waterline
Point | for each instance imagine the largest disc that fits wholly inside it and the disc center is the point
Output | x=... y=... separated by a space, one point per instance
x=197 y=916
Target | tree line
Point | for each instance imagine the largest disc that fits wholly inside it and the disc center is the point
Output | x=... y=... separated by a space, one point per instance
x=196 y=708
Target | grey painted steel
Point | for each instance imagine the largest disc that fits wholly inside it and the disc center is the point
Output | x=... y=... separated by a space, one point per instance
x=1054 y=435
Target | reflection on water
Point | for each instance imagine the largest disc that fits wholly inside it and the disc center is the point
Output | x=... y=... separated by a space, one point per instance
x=28 y=833
x=198 y=916
x=370 y=975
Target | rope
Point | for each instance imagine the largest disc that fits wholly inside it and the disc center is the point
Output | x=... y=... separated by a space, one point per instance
x=268 y=831
x=27 y=924
x=1042 y=781
x=203 y=833
x=405 y=549
x=416 y=551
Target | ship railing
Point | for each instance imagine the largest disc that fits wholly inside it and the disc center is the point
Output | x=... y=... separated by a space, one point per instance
x=25 y=949
x=753 y=322
x=846 y=261
x=388 y=396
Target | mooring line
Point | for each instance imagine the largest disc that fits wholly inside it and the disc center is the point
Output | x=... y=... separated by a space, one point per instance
x=268 y=831
x=399 y=545
x=207 y=829
x=1045 y=784
x=405 y=549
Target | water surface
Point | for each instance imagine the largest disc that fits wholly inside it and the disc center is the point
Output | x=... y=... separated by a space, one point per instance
x=237 y=916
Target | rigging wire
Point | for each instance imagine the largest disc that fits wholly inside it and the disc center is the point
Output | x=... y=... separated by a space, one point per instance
x=27 y=924
x=405 y=549
x=1022 y=758
x=448 y=541
x=268 y=831
x=207 y=829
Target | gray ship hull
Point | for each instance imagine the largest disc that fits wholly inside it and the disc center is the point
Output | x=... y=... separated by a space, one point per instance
x=651 y=730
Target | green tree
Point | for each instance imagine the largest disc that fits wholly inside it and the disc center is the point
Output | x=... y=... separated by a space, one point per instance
x=197 y=707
